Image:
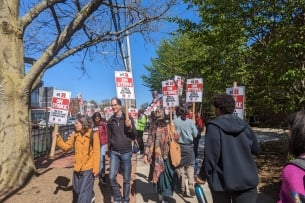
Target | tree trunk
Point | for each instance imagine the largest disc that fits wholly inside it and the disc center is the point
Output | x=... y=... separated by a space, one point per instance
x=16 y=159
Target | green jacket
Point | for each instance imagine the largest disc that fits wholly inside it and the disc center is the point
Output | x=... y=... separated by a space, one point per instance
x=141 y=123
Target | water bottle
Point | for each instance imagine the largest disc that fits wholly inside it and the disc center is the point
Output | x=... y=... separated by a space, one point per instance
x=200 y=194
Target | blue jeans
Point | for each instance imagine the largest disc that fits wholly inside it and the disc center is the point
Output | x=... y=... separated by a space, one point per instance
x=118 y=160
x=103 y=154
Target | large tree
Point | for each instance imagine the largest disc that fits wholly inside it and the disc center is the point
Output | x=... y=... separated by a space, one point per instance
x=263 y=41
x=44 y=33
x=257 y=43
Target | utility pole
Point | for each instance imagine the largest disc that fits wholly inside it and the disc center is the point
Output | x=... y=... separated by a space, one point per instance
x=126 y=57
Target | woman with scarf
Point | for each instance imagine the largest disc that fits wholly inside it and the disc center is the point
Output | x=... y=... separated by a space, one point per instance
x=157 y=151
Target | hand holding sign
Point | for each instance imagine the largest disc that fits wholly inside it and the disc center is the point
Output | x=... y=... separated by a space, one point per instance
x=128 y=123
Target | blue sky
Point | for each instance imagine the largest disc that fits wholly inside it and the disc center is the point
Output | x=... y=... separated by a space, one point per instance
x=98 y=83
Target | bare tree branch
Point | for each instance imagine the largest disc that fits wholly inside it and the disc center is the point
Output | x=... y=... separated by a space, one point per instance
x=62 y=39
x=35 y=11
x=87 y=17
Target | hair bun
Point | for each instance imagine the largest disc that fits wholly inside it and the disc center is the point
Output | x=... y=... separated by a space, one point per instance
x=85 y=121
x=159 y=114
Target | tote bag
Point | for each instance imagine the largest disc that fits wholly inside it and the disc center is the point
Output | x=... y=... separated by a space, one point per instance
x=174 y=149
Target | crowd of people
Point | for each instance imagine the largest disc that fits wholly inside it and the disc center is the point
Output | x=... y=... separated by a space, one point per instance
x=228 y=166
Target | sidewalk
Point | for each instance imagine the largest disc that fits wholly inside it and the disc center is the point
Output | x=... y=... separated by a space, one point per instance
x=146 y=193
x=53 y=184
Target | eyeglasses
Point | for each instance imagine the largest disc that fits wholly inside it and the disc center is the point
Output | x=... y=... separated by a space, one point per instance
x=114 y=104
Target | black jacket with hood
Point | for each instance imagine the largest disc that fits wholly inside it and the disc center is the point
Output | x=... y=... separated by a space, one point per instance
x=229 y=164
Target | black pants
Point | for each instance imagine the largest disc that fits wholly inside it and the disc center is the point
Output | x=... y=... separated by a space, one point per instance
x=243 y=196
x=140 y=140
x=196 y=144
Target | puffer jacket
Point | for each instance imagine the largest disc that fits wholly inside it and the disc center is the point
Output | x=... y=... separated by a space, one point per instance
x=86 y=156
x=229 y=164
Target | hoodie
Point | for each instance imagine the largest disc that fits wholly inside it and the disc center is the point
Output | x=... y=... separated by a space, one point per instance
x=229 y=164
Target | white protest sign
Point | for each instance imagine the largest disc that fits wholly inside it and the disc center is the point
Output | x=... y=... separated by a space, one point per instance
x=170 y=93
x=133 y=112
x=194 y=89
x=124 y=85
x=179 y=81
x=108 y=112
x=60 y=107
x=239 y=96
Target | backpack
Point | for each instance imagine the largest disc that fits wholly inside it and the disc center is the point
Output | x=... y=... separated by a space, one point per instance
x=174 y=149
x=300 y=162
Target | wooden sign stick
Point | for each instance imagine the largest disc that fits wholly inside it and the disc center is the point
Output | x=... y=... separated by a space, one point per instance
x=53 y=145
x=126 y=110
x=194 y=111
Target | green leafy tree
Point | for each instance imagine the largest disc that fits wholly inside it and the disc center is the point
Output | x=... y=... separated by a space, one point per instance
x=258 y=44
x=265 y=41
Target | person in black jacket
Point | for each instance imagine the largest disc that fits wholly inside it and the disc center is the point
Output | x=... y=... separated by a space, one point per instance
x=121 y=131
x=229 y=166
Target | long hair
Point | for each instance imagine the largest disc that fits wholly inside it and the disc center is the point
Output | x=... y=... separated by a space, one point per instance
x=296 y=123
x=96 y=114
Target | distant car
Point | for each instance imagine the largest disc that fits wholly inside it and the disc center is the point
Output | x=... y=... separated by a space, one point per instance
x=43 y=124
x=71 y=121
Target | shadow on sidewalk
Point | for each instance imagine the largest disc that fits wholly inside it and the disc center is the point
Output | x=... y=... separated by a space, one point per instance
x=59 y=160
x=62 y=183
x=105 y=190
x=146 y=190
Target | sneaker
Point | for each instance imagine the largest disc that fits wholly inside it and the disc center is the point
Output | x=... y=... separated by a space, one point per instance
x=103 y=180
x=93 y=198
x=186 y=194
x=192 y=190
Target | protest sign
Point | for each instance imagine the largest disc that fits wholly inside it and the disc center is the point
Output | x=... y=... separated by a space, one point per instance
x=58 y=113
x=179 y=82
x=170 y=93
x=60 y=107
x=239 y=95
x=108 y=112
x=124 y=85
x=133 y=112
x=80 y=103
x=194 y=89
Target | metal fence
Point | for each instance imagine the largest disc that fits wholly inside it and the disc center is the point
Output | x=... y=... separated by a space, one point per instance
x=42 y=137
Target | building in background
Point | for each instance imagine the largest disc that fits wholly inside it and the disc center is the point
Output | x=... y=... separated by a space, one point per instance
x=41 y=99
